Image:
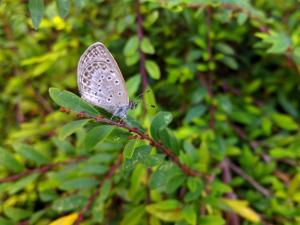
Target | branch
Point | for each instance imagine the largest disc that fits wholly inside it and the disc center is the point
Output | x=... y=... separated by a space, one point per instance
x=40 y=170
x=40 y=99
x=232 y=218
x=140 y=34
x=93 y=197
x=168 y=152
x=248 y=178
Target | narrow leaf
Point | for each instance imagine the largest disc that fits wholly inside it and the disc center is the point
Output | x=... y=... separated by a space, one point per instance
x=68 y=203
x=131 y=46
x=129 y=148
x=63 y=7
x=146 y=46
x=31 y=154
x=160 y=121
x=242 y=208
x=36 y=8
x=65 y=220
x=97 y=134
x=9 y=161
x=71 y=128
x=153 y=69
x=78 y=183
x=71 y=101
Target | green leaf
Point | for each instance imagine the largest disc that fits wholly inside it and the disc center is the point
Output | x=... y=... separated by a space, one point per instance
x=242 y=18
x=71 y=128
x=31 y=154
x=242 y=208
x=279 y=41
x=94 y=169
x=160 y=121
x=97 y=134
x=22 y=183
x=151 y=18
x=284 y=121
x=163 y=175
x=5 y=221
x=133 y=84
x=242 y=117
x=167 y=210
x=153 y=69
x=169 y=140
x=69 y=203
x=296 y=55
x=279 y=153
x=105 y=190
x=225 y=48
x=211 y=220
x=63 y=7
x=146 y=46
x=190 y=215
x=134 y=216
x=78 y=183
x=101 y=158
x=131 y=46
x=195 y=112
x=132 y=59
x=16 y=214
x=64 y=145
x=129 y=148
x=9 y=161
x=71 y=101
x=36 y=8
x=230 y=62
x=150 y=101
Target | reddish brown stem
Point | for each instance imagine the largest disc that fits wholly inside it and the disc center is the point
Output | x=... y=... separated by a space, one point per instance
x=232 y=218
x=248 y=178
x=93 y=197
x=140 y=34
x=40 y=170
x=168 y=152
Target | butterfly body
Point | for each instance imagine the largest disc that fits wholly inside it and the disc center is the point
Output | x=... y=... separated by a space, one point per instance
x=100 y=81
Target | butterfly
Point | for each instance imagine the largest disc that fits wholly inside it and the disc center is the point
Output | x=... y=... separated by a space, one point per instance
x=100 y=81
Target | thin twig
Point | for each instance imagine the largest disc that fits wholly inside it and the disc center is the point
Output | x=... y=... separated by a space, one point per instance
x=168 y=152
x=140 y=34
x=232 y=218
x=93 y=197
x=41 y=100
x=40 y=170
x=248 y=178
x=24 y=222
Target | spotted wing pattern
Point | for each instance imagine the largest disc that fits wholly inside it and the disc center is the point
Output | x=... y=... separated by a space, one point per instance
x=100 y=80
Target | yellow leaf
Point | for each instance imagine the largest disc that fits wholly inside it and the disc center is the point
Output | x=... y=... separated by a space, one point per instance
x=66 y=220
x=242 y=208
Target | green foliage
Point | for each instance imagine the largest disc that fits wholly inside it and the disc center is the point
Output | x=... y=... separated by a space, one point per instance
x=223 y=77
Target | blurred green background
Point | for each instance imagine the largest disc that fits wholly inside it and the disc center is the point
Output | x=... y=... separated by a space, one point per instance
x=226 y=72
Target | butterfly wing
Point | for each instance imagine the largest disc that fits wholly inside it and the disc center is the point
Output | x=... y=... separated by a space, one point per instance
x=100 y=80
